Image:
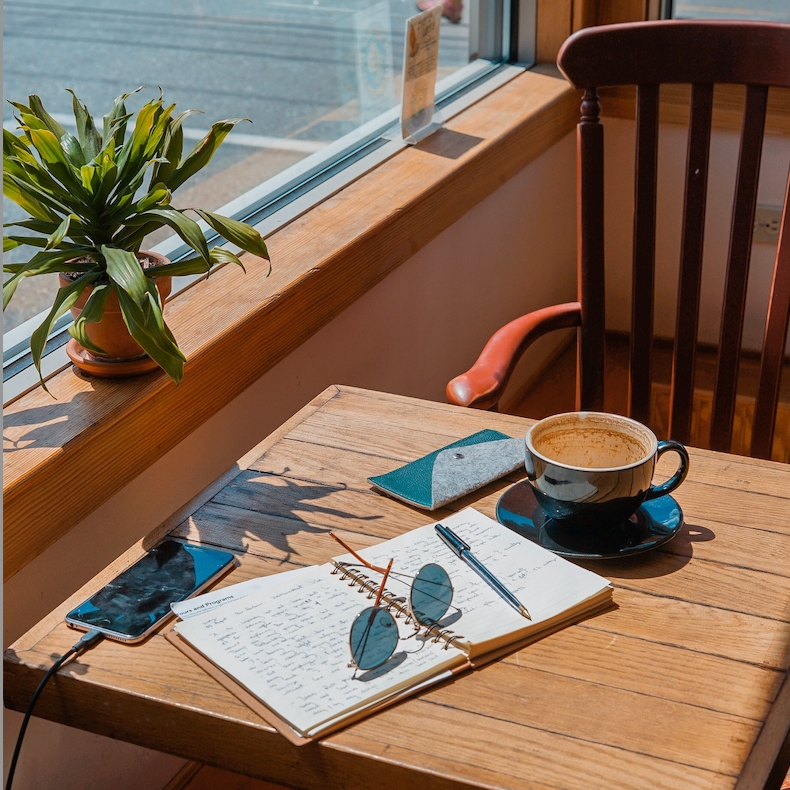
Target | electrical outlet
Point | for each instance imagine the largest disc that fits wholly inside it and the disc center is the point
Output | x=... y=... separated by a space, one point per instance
x=766 y=224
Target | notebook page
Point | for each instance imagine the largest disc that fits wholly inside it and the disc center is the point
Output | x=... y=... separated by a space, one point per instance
x=548 y=585
x=200 y=604
x=289 y=646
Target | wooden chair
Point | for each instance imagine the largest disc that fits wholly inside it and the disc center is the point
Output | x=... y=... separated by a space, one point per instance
x=648 y=54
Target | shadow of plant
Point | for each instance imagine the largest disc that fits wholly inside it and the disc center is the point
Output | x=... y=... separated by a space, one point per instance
x=273 y=516
x=36 y=426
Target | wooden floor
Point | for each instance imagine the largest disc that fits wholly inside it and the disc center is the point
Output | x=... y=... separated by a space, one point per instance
x=554 y=392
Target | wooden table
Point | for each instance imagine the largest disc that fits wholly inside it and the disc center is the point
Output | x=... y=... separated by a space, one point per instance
x=683 y=685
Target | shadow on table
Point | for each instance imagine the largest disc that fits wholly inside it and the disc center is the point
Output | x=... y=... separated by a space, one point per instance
x=261 y=513
x=666 y=559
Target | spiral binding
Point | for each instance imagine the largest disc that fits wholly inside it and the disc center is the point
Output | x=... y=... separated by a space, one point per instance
x=396 y=604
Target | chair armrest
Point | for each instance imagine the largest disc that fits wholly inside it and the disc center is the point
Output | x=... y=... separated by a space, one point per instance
x=482 y=385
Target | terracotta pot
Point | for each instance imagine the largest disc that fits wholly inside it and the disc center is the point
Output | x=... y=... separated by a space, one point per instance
x=111 y=333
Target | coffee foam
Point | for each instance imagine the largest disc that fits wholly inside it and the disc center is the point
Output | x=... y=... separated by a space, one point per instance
x=591 y=448
x=592 y=442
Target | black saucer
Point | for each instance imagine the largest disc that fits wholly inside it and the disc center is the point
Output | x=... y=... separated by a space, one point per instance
x=653 y=524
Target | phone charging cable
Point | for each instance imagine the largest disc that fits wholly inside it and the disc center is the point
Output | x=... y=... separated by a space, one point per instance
x=91 y=639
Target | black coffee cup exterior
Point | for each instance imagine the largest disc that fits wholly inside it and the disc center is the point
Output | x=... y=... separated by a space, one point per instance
x=599 y=497
x=589 y=514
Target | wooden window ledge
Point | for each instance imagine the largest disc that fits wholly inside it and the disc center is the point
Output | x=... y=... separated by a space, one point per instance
x=64 y=456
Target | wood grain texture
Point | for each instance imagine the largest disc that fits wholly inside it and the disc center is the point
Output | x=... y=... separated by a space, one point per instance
x=554 y=23
x=684 y=683
x=203 y=777
x=587 y=13
x=609 y=12
x=678 y=51
x=324 y=261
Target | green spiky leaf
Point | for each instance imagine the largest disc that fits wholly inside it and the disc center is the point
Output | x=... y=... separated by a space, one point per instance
x=59 y=233
x=202 y=153
x=172 y=145
x=91 y=313
x=65 y=298
x=44 y=262
x=146 y=325
x=37 y=108
x=186 y=228
x=236 y=232
x=90 y=139
x=114 y=123
x=72 y=149
x=125 y=271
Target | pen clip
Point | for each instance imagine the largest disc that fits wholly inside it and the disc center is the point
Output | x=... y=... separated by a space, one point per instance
x=451 y=539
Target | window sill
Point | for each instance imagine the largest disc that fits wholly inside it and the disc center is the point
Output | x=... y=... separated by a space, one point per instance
x=63 y=457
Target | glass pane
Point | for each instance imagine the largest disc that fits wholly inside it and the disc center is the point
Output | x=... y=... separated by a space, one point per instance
x=766 y=10
x=305 y=72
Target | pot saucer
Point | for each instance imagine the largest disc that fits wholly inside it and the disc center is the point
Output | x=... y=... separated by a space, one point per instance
x=108 y=368
x=653 y=524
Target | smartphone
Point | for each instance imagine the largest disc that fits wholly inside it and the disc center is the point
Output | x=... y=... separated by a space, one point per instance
x=137 y=601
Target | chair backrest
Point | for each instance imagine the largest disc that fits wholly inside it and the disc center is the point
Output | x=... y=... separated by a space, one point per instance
x=648 y=54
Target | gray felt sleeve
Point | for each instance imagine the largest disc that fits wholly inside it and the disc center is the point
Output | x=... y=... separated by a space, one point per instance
x=460 y=470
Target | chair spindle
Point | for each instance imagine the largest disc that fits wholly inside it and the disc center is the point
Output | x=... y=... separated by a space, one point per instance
x=682 y=387
x=776 y=325
x=734 y=307
x=644 y=252
x=592 y=291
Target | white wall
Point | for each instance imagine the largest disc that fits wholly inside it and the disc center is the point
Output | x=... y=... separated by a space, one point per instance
x=410 y=334
x=619 y=201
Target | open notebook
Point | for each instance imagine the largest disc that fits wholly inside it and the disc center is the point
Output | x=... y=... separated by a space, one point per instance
x=287 y=645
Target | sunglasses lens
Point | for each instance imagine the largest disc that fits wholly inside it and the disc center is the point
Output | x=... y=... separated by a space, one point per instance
x=431 y=594
x=374 y=635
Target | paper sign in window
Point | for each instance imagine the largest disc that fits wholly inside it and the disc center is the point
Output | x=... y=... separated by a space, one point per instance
x=420 y=61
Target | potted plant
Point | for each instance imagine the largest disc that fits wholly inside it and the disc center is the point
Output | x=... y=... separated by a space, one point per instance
x=91 y=200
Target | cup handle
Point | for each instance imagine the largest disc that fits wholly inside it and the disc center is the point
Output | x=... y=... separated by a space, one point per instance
x=665 y=488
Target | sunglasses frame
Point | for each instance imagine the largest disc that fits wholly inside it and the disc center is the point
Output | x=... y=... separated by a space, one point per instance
x=371 y=612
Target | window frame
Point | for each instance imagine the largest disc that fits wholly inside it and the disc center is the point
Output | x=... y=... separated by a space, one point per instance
x=494 y=30
x=668 y=12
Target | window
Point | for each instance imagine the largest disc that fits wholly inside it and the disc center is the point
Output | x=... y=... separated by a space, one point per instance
x=762 y=10
x=319 y=80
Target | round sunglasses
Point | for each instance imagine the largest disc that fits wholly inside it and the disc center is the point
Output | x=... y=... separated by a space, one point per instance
x=374 y=633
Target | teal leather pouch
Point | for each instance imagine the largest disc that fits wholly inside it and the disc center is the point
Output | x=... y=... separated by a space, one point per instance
x=453 y=471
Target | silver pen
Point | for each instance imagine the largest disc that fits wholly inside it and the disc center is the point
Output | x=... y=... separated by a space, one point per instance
x=461 y=549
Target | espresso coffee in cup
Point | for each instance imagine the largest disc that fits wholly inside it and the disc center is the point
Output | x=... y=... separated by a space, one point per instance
x=594 y=469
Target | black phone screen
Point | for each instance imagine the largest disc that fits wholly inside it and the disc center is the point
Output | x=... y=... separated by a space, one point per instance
x=137 y=599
